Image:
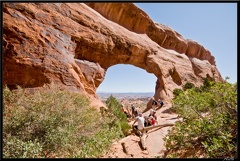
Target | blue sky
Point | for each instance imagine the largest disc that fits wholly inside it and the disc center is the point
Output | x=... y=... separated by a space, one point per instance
x=213 y=25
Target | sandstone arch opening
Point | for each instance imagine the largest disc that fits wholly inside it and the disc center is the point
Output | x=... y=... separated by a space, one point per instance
x=125 y=78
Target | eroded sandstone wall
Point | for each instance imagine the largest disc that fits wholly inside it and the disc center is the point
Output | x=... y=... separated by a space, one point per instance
x=73 y=44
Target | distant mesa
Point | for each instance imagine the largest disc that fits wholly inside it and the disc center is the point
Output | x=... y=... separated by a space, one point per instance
x=127 y=95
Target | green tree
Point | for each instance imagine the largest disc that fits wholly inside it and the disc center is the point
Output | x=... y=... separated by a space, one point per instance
x=120 y=120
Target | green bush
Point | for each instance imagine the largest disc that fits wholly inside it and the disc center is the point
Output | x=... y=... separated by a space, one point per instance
x=209 y=122
x=177 y=92
x=121 y=119
x=188 y=85
x=21 y=149
x=207 y=83
x=51 y=123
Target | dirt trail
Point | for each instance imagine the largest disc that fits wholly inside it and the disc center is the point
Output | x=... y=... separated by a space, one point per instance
x=154 y=140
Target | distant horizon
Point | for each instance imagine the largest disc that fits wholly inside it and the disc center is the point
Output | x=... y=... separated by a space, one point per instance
x=125 y=95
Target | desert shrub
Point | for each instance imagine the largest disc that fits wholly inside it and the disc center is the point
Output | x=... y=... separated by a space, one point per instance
x=188 y=85
x=177 y=92
x=207 y=83
x=95 y=146
x=23 y=149
x=125 y=127
x=117 y=127
x=53 y=123
x=114 y=107
x=209 y=122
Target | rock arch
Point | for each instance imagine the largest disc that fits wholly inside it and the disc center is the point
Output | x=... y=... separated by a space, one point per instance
x=73 y=44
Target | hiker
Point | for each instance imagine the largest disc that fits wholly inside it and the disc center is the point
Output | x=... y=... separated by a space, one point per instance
x=134 y=112
x=154 y=103
x=155 y=117
x=151 y=112
x=160 y=103
x=152 y=120
x=152 y=117
x=140 y=124
x=147 y=121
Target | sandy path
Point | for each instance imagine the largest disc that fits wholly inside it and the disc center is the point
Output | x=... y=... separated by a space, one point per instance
x=154 y=140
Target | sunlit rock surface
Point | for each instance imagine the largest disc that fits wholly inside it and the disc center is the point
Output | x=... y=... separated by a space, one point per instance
x=73 y=44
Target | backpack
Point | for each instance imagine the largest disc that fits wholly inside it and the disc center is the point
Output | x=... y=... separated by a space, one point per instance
x=154 y=102
x=161 y=102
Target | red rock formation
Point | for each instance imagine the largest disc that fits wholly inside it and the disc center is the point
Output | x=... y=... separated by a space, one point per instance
x=73 y=44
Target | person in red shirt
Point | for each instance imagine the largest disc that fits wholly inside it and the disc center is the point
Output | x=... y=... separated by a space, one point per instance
x=153 y=117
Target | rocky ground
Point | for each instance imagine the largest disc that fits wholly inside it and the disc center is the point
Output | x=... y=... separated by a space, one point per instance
x=154 y=140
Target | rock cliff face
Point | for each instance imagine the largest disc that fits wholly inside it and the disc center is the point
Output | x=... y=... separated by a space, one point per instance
x=73 y=44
